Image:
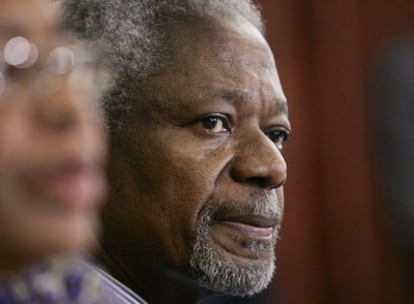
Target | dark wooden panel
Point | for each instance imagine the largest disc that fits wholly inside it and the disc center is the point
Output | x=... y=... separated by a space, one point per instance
x=335 y=245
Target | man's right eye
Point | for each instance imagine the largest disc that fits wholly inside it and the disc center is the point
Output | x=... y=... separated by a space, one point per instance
x=216 y=124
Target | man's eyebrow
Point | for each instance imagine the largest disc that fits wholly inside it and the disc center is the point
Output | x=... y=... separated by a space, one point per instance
x=231 y=95
x=282 y=105
x=238 y=95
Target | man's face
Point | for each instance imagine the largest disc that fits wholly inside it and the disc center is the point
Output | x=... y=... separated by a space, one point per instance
x=51 y=147
x=204 y=152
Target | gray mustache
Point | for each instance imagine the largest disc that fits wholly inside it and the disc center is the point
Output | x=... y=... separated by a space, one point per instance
x=264 y=205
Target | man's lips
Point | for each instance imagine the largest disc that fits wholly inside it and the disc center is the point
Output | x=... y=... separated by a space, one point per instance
x=69 y=184
x=249 y=236
x=256 y=220
x=252 y=226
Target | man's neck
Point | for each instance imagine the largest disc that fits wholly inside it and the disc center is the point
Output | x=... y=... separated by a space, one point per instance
x=129 y=260
x=156 y=285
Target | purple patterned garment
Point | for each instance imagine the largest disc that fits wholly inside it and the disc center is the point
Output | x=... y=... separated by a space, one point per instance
x=58 y=281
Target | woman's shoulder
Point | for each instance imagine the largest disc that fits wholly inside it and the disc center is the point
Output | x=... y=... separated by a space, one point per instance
x=69 y=280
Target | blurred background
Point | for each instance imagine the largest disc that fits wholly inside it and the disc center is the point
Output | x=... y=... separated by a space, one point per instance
x=346 y=232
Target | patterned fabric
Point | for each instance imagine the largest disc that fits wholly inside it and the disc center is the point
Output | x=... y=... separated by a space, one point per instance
x=65 y=282
x=122 y=293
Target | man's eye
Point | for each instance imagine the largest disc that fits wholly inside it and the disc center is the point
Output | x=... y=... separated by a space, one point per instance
x=215 y=124
x=279 y=137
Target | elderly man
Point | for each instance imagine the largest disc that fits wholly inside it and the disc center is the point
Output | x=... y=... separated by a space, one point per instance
x=198 y=120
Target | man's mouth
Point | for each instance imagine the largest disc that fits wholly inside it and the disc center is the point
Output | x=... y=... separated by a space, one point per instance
x=247 y=235
x=252 y=226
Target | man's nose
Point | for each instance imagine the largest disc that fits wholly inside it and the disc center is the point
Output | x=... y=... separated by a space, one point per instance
x=258 y=161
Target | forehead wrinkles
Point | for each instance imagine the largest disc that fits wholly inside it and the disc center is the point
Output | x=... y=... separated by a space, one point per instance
x=252 y=63
x=200 y=48
x=255 y=75
x=251 y=58
x=208 y=36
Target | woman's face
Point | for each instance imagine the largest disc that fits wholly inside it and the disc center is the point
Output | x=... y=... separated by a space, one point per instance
x=52 y=144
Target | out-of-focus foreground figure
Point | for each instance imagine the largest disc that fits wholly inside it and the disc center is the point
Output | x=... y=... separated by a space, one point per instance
x=51 y=156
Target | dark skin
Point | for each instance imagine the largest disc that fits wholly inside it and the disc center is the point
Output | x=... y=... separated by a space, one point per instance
x=208 y=128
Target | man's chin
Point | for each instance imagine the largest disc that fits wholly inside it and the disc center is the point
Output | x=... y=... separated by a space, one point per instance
x=228 y=267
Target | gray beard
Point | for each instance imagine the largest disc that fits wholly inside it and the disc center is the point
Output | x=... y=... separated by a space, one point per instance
x=216 y=270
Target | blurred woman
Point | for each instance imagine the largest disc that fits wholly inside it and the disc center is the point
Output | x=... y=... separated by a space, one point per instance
x=51 y=157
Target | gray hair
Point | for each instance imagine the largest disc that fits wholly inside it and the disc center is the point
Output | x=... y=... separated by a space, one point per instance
x=129 y=35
